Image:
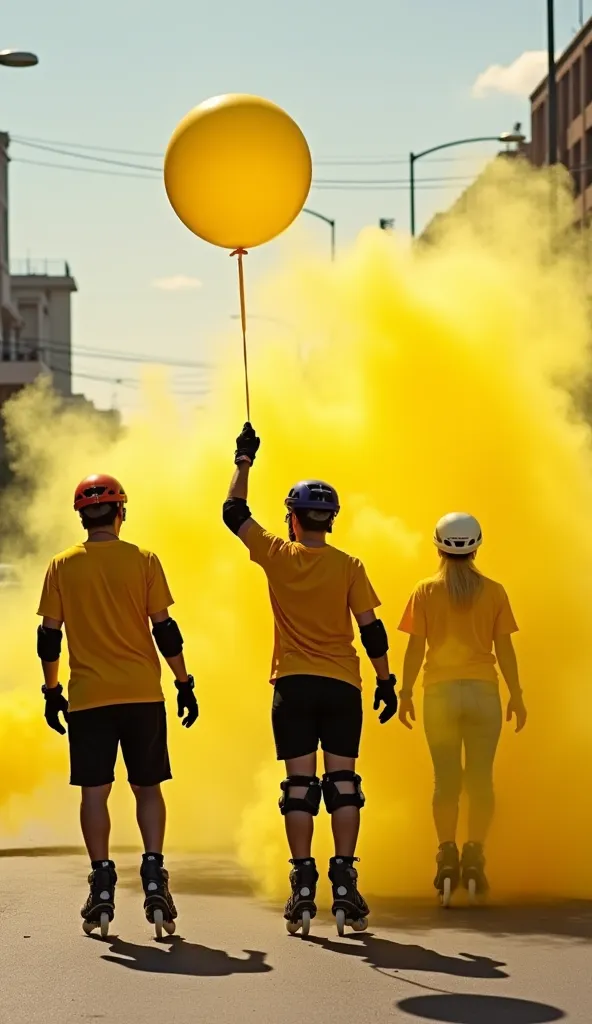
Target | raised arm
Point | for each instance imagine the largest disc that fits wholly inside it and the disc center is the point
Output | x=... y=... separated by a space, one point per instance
x=235 y=511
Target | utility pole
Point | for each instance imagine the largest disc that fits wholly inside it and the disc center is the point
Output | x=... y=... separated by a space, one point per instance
x=551 y=85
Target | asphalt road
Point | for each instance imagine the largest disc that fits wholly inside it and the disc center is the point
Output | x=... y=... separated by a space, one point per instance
x=232 y=961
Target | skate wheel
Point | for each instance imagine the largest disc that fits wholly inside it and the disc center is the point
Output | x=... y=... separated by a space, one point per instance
x=340 y=921
x=104 y=924
x=472 y=890
x=158 y=923
x=292 y=927
x=360 y=925
x=305 y=923
x=446 y=893
x=88 y=926
x=170 y=927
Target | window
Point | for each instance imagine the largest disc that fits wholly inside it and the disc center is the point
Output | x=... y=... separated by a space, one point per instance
x=576 y=89
x=575 y=164
x=538 y=133
x=589 y=157
x=589 y=74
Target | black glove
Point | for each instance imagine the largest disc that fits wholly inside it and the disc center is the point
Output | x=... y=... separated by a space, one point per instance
x=186 y=702
x=385 y=693
x=247 y=445
x=54 y=703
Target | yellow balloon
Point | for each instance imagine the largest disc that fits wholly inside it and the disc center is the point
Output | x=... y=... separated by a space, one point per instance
x=237 y=171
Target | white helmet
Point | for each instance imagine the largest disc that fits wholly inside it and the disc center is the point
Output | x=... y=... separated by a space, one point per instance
x=458 y=534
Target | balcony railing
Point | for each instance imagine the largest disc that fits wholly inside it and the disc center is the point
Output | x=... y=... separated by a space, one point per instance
x=39 y=268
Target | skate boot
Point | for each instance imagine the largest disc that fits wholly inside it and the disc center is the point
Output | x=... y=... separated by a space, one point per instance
x=349 y=907
x=99 y=909
x=472 y=868
x=301 y=907
x=159 y=906
x=448 y=872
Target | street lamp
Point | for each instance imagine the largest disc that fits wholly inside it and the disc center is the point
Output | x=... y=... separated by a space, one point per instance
x=329 y=221
x=507 y=137
x=18 y=59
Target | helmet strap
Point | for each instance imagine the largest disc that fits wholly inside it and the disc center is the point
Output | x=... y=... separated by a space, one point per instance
x=291 y=533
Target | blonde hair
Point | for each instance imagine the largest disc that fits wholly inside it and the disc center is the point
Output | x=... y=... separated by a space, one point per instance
x=461 y=577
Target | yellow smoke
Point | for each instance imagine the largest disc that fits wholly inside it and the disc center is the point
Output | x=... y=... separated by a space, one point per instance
x=418 y=383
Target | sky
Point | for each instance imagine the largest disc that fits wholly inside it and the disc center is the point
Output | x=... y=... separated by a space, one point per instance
x=366 y=82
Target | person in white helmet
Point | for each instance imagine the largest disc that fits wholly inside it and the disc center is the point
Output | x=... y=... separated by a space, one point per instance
x=465 y=622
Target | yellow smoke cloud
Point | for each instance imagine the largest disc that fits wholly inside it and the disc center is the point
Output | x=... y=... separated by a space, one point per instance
x=418 y=383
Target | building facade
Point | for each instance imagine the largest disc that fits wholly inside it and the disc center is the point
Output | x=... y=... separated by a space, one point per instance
x=574 y=118
x=35 y=311
x=41 y=293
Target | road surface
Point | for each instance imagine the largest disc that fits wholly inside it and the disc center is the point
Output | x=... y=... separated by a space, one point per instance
x=231 y=961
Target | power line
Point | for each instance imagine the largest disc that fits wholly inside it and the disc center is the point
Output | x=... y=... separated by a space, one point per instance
x=79 y=170
x=125 y=357
x=389 y=188
x=126 y=382
x=317 y=182
x=344 y=161
x=122 y=381
x=85 y=156
x=320 y=184
x=384 y=181
x=80 y=145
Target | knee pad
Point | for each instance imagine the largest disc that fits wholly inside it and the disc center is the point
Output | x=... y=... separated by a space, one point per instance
x=310 y=803
x=334 y=799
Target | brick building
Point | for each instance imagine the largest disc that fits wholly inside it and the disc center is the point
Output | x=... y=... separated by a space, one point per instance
x=574 y=118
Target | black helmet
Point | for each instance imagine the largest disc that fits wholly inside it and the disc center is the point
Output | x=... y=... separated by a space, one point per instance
x=313 y=495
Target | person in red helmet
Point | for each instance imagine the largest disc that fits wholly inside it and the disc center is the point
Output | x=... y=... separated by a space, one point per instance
x=106 y=592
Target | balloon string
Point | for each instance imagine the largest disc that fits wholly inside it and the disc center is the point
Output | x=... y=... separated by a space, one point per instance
x=243 y=312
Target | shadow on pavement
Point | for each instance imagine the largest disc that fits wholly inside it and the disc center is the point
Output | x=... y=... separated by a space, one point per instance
x=199 y=877
x=563 y=919
x=384 y=954
x=479 y=1010
x=175 y=956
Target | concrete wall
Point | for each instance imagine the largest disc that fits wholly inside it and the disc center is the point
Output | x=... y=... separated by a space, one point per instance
x=44 y=304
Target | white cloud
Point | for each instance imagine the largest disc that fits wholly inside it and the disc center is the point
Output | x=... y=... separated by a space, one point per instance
x=516 y=79
x=177 y=283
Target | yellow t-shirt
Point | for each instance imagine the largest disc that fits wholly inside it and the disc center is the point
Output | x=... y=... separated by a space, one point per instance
x=314 y=592
x=460 y=640
x=103 y=592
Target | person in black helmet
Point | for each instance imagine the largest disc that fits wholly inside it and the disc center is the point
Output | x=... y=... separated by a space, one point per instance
x=315 y=589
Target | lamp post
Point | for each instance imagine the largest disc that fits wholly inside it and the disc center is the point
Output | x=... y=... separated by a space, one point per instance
x=18 y=59
x=329 y=221
x=551 y=85
x=507 y=137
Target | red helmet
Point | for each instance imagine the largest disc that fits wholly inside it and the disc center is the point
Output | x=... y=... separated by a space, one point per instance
x=98 y=489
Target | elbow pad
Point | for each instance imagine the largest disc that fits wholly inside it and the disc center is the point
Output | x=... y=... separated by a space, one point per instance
x=49 y=643
x=235 y=512
x=167 y=637
x=374 y=639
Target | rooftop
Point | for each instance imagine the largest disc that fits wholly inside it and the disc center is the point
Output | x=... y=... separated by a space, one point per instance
x=40 y=268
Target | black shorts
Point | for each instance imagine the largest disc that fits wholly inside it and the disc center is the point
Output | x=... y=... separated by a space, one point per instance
x=95 y=735
x=308 y=710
